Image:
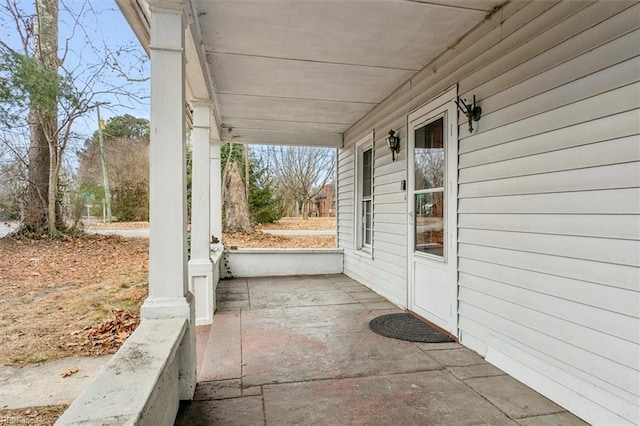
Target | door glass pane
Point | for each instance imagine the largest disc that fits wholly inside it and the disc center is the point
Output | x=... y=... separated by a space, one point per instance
x=429 y=222
x=429 y=188
x=429 y=156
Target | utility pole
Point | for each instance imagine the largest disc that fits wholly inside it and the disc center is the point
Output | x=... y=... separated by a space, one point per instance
x=105 y=175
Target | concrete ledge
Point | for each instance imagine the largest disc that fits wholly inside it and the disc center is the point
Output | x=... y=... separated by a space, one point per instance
x=139 y=385
x=279 y=262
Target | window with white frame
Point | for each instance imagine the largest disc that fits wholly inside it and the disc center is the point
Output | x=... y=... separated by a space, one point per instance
x=364 y=194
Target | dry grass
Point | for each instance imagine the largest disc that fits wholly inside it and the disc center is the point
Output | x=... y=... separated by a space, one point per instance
x=295 y=223
x=40 y=416
x=49 y=289
x=119 y=225
x=261 y=240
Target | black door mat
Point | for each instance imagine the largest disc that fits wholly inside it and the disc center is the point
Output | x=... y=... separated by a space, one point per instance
x=407 y=327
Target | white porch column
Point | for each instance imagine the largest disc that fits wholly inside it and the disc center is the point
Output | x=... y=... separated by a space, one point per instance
x=216 y=190
x=200 y=266
x=168 y=292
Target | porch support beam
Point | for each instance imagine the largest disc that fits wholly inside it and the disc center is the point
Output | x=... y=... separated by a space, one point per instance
x=169 y=296
x=277 y=137
x=201 y=274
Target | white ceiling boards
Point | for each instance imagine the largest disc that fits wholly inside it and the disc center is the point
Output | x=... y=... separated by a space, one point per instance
x=318 y=66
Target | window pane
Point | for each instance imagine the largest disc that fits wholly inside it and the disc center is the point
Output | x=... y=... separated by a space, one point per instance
x=366 y=222
x=367 y=165
x=429 y=223
x=429 y=156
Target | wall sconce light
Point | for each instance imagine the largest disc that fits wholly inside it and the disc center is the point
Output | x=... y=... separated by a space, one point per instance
x=393 y=142
x=471 y=111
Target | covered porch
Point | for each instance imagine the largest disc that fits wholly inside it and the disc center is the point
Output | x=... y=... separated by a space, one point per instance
x=297 y=350
x=342 y=74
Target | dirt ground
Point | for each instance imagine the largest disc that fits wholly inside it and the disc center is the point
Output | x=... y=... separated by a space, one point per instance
x=262 y=240
x=118 y=225
x=53 y=292
x=41 y=416
x=315 y=223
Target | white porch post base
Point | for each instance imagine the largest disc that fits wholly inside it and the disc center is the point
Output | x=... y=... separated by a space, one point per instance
x=202 y=285
x=178 y=307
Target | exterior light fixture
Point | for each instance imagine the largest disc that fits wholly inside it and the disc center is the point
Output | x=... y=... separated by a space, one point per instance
x=471 y=111
x=393 y=142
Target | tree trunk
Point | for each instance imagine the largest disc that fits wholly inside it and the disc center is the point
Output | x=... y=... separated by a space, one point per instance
x=35 y=209
x=237 y=217
x=43 y=129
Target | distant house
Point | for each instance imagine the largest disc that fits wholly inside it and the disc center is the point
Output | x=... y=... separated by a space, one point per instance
x=324 y=204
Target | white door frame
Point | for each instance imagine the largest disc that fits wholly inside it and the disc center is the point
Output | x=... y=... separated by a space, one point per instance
x=435 y=108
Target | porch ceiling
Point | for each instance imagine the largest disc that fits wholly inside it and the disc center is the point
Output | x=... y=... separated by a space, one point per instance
x=304 y=71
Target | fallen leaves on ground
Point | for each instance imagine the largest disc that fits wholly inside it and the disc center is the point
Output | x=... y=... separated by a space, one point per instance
x=261 y=240
x=40 y=416
x=298 y=223
x=48 y=289
x=105 y=338
x=118 y=225
x=69 y=372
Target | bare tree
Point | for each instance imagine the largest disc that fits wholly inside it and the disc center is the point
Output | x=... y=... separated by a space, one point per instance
x=55 y=94
x=301 y=172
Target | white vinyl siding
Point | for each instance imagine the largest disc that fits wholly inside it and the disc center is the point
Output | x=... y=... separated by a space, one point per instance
x=548 y=248
x=345 y=199
x=387 y=273
x=548 y=199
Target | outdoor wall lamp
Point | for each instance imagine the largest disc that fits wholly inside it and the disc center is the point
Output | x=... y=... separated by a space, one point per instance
x=471 y=111
x=393 y=142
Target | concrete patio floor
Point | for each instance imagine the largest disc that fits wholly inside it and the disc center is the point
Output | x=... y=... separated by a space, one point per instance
x=298 y=350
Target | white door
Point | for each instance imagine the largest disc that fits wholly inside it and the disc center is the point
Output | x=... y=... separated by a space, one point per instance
x=432 y=201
